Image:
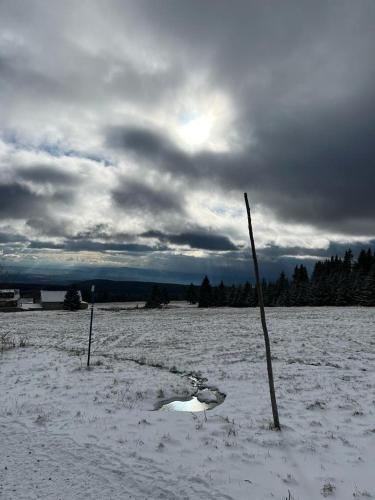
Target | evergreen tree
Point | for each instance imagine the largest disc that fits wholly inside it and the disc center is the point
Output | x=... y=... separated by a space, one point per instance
x=237 y=297
x=191 y=294
x=345 y=285
x=205 y=293
x=364 y=262
x=221 y=295
x=281 y=297
x=245 y=298
x=155 y=300
x=347 y=263
x=334 y=282
x=266 y=293
x=215 y=297
x=232 y=296
x=361 y=271
x=72 y=300
x=165 y=296
x=253 y=296
x=300 y=289
x=367 y=295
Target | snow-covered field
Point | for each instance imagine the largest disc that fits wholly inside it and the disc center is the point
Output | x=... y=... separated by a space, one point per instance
x=69 y=433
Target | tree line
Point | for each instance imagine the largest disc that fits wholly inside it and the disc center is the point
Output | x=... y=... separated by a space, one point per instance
x=333 y=282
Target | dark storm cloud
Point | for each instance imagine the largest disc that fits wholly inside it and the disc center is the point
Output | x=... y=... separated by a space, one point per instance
x=44 y=174
x=132 y=195
x=302 y=82
x=152 y=146
x=68 y=71
x=11 y=238
x=298 y=80
x=315 y=167
x=49 y=226
x=199 y=240
x=95 y=246
x=103 y=232
x=18 y=201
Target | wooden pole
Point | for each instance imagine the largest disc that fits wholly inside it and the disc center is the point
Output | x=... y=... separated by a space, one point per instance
x=91 y=318
x=263 y=320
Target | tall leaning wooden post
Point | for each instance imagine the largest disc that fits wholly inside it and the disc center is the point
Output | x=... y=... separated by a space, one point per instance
x=263 y=320
x=91 y=318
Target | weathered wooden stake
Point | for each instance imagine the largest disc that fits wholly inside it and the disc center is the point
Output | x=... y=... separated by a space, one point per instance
x=91 y=318
x=263 y=320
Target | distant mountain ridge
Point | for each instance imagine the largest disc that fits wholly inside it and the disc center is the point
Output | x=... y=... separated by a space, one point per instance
x=105 y=290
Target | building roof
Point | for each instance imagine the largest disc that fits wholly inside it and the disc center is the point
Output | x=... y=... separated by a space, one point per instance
x=55 y=295
x=13 y=293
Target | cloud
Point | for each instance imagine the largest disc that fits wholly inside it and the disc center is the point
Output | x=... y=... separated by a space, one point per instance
x=132 y=195
x=308 y=168
x=17 y=201
x=43 y=174
x=120 y=122
x=94 y=246
x=49 y=226
x=11 y=238
x=276 y=253
x=199 y=240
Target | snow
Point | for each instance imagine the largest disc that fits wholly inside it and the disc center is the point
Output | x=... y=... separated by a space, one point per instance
x=68 y=432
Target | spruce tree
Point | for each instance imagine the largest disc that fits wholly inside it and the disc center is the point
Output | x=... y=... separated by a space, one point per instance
x=266 y=294
x=205 y=293
x=215 y=297
x=72 y=300
x=281 y=291
x=221 y=295
x=232 y=296
x=299 y=290
x=246 y=295
x=253 y=296
x=191 y=294
x=345 y=284
x=155 y=300
x=367 y=295
x=237 y=297
x=165 y=296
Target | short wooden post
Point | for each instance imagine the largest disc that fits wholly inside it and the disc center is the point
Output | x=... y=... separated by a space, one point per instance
x=91 y=318
x=263 y=320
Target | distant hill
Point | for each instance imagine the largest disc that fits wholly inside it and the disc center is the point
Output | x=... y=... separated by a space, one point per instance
x=127 y=291
x=106 y=290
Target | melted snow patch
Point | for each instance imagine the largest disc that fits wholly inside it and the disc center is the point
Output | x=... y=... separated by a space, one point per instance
x=205 y=399
x=192 y=404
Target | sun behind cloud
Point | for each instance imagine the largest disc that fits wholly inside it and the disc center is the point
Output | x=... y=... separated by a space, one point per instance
x=204 y=119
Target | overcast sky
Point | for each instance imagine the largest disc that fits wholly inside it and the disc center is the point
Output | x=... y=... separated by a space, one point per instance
x=129 y=131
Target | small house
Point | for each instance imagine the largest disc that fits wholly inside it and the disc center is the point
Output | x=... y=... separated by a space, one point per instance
x=9 y=298
x=54 y=299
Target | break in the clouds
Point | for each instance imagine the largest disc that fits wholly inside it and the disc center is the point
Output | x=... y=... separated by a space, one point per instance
x=129 y=131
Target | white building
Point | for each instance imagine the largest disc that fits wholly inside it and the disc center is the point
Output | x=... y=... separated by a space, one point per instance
x=54 y=299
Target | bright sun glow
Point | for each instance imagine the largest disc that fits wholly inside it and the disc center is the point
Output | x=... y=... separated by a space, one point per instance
x=197 y=131
x=204 y=120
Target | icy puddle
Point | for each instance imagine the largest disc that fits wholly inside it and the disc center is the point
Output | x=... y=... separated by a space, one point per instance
x=192 y=404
